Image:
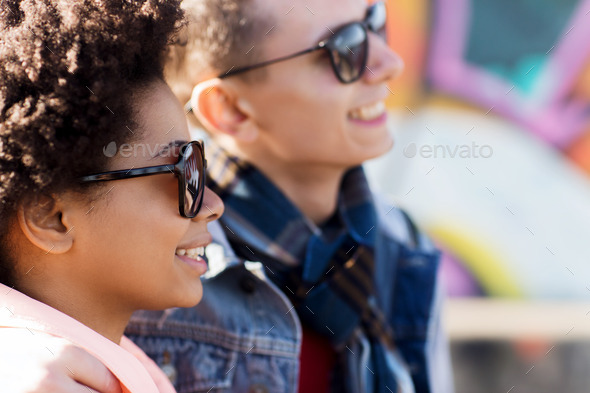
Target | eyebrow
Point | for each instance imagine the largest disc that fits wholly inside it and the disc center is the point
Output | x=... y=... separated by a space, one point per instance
x=165 y=149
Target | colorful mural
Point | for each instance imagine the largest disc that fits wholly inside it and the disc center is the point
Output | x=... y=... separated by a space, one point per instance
x=492 y=123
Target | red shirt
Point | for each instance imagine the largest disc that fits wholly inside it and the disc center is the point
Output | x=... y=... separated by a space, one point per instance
x=317 y=362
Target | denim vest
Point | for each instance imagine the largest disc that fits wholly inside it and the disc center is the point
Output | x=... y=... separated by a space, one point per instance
x=244 y=336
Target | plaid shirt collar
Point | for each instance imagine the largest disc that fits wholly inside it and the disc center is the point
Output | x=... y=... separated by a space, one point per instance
x=275 y=226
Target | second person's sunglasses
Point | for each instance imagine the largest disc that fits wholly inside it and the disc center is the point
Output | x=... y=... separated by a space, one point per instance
x=348 y=47
x=190 y=171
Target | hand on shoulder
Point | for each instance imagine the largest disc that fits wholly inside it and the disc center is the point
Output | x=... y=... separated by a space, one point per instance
x=34 y=362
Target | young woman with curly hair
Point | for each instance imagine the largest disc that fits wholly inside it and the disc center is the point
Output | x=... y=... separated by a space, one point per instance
x=100 y=188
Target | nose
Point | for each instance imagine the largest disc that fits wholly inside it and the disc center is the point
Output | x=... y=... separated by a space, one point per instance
x=212 y=207
x=383 y=64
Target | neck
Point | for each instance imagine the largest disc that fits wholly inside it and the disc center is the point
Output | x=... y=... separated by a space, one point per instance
x=64 y=294
x=312 y=188
x=316 y=197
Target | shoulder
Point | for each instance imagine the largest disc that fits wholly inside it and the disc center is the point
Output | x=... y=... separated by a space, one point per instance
x=397 y=225
x=392 y=219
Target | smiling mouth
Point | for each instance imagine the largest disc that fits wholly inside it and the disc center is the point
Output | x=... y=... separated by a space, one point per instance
x=193 y=253
x=368 y=112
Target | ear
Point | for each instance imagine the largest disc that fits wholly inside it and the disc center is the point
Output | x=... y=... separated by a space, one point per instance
x=219 y=109
x=44 y=224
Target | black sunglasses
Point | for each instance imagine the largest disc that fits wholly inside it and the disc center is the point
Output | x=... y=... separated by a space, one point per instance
x=348 y=47
x=190 y=170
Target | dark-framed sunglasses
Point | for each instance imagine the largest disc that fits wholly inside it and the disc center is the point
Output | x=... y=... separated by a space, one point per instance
x=348 y=47
x=190 y=171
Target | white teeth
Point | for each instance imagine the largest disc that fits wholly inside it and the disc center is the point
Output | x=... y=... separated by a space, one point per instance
x=368 y=112
x=192 y=253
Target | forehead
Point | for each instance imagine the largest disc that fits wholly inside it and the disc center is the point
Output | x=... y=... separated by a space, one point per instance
x=159 y=114
x=297 y=26
x=159 y=119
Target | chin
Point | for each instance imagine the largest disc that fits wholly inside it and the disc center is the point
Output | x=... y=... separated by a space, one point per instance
x=379 y=148
x=188 y=298
x=387 y=145
x=191 y=300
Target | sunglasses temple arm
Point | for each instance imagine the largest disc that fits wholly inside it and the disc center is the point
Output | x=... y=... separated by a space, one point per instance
x=128 y=173
x=231 y=72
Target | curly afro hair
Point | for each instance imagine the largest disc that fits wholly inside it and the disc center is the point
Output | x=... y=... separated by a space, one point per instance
x=68 y=70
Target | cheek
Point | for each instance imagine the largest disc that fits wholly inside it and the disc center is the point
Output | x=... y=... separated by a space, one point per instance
x=306 y=113
x=141 y=215
x=154 y=209
x=305 y=123
x=323 y=114
x=315 y=96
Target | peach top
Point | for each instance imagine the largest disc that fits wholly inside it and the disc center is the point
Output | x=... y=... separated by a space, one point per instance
x=136 y=372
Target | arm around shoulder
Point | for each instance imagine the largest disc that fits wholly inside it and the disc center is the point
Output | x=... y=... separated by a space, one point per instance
x=34 y=362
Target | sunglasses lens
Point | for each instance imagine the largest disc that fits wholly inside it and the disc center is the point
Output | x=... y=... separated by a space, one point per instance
x=377 y=18
x=193 y=179
x=348 y=49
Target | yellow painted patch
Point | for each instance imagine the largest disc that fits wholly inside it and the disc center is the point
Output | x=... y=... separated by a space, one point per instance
x=486 y=265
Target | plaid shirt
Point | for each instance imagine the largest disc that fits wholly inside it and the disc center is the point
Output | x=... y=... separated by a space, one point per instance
x=321 y=269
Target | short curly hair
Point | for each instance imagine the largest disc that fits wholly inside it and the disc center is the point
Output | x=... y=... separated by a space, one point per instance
x=68 y=70
x=231 y=38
